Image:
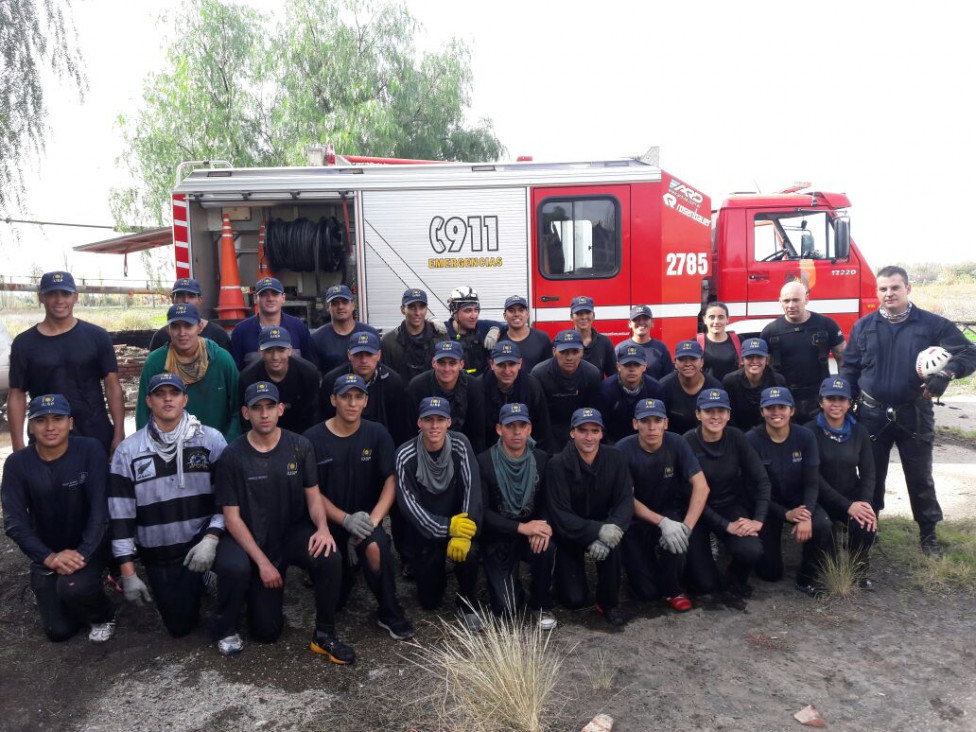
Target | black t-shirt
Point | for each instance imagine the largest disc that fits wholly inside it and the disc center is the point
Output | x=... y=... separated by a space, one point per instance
x=799 y=351
x=744 y=398
x=73 y=364
x=682 y=405
x=720 y=358
x=535 y=348
x=352 y=469
x=214 y=332
x=793 y=467
x=662 y=479
x=269 y=487
x=331 y=348
x=659 y=363
x=298 y=391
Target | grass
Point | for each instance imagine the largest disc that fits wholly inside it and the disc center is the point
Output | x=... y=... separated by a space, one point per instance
x=110 y=318
x=956 y=572
x=839 y=574
x=603 y=674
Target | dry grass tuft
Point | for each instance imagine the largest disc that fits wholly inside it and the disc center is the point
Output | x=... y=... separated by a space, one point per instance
x=603 y=673
x=840 y=574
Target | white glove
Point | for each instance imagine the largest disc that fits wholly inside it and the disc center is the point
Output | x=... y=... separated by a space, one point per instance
x=611 y=534
x=200 y=558
x=491 y=337
x=135 y=589
x=439 y=327
x=598 y=551
x=358 y=524
x=673 y=538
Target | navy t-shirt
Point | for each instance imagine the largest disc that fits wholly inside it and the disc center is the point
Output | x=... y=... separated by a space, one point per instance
x=682 y=405
x=793 y=466
x=662 y=479
x=535 y=348
x=332 y=349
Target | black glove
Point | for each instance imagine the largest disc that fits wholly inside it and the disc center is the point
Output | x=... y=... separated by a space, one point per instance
x=936 y=384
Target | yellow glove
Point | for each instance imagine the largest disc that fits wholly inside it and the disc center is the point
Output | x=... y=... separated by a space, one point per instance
x=462 y=527
x=457 y=549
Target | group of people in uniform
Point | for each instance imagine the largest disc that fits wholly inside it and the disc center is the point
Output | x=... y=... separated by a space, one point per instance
x=480 y=444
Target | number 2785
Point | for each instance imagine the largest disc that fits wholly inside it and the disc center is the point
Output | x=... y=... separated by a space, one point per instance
x=686 y=263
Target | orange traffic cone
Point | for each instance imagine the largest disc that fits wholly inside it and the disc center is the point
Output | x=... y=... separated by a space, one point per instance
x=230 y=305
x=264 y=268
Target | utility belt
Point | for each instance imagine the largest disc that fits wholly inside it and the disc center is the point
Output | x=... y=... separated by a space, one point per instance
x=891 y=413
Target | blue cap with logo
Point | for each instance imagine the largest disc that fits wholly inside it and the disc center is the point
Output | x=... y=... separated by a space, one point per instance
x=650 y=408
x=835 y=386
x=448 y=349
x=755 y=347
x=57 y=282
x=274 y=336
x=639 y=310
x=187 y=284
x=48 y=404
x=166 y=379
x=435 y=407
x=586 y=415
x=688 y=349
x=338 y=291
x=349 y=381
x=714 y=399
x=506 y=352
x=580 y=303
x=364 y=342
x=268 y=283
x=514 y=412
x=413 y=295
x=568 y=339
x=776 y=395
x=183 y=312
x=631 y=353
x=261 y=390
x=516 y=300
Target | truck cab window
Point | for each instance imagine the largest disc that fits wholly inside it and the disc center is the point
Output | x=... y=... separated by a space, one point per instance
x=792 y=236
x=579 y=238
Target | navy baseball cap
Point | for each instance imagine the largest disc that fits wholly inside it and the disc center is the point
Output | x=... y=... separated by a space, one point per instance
x=187 y=284
x=268 y=283
x=261 y=390
x=650 y=408
x=586 y=415
x=506 y=352
x=776 y=395
x=516 y=300
x=435 y=407
x=638 y=310
x=274 y=336
x=580 y=303
x=364 y=342
x=688 y=349
x=835 y=386
x=755 y=347
x=349 y=381
x=57 y=282
x=632 y=353
x=567 y=339
x=514 y=412
x=338 y=291
x=183 y=312
x=714 y=399
x=413 y=295
x=448 y=349
x=166 y=379
x=48 y=404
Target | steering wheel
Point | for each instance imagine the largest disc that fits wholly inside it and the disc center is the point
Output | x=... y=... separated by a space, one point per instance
x=776 y=256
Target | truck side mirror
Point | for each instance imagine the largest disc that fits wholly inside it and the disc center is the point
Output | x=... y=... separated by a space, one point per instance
x=842 y=237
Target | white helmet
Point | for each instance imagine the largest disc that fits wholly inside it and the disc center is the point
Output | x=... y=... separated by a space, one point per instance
x=931 y=361
x=462 y=297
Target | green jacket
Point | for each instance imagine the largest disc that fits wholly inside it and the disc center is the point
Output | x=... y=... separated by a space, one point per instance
x=213 y=400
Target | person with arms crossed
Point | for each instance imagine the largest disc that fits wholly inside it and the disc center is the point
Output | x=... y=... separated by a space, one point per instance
x=270 y=296
x=187 y=290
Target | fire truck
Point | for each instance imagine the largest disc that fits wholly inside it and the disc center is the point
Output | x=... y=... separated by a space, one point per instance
x=621 y=231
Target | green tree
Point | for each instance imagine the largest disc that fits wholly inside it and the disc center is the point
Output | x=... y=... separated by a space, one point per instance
x=258 y=90
x=35 y=35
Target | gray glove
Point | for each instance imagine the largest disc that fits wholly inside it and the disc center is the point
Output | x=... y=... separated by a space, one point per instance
x=135 y=589
x=439 y=327
x=673 y=537
x=611 y=534
x=598 y=551
x=200 y=558
x=358 y=524
x=351 y=557
x=491 y=337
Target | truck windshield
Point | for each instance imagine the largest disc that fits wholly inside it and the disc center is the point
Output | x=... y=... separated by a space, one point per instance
x=793 y=235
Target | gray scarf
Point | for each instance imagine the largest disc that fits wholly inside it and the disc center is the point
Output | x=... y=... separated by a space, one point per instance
x=516 y=478
x=170 y=444
x=435 y=475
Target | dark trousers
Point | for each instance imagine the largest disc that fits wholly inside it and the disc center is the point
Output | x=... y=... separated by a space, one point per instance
x=382 y=583
x=913 y=431
x=503 y=557
x=70 y=602
x=571 y=584
x=428 y=559
x=653 y=572
x=239 y=582
x=703 y=574
x=819 y=546
x=859 y=540
x=177 y=592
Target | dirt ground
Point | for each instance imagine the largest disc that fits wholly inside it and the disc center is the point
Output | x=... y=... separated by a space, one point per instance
x=891 y=659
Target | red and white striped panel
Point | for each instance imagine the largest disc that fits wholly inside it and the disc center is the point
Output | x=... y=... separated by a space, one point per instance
x=181 y=236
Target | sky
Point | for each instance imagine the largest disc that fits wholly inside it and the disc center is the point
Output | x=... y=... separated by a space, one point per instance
x=875 y=100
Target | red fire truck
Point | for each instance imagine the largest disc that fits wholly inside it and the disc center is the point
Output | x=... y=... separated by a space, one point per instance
x=621 y=231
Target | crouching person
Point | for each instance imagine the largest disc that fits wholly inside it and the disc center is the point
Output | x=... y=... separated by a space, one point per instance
x=591 y=504
x=54 y=509
x=439 y=495
x=161 y=500
x=268 y=487
x=669 y=495
x=516 y=526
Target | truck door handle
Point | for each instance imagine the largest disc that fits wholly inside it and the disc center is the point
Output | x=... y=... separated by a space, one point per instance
x=549 y=298
x=758 y=277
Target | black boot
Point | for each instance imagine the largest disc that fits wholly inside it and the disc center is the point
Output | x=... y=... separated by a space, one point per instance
x=929 y=542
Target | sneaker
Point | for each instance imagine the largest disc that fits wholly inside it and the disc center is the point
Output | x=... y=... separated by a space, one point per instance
x=810 y=590
x=231 y=645
x=547 y=621
x=399 y=629
x=472 y=622
x=613 y=616
x=866 y=585
x=332 y=648
x=930 y=546
x=102 y=632
x=680 y=603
